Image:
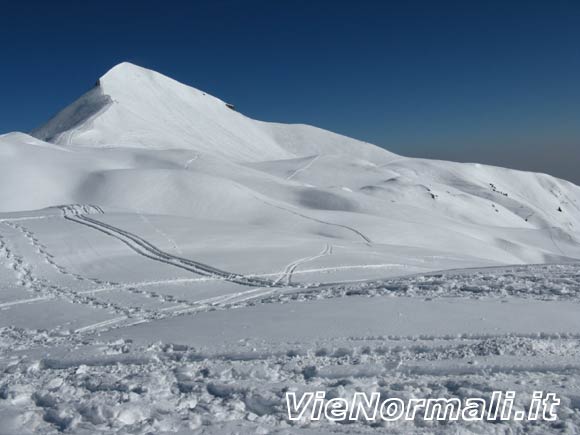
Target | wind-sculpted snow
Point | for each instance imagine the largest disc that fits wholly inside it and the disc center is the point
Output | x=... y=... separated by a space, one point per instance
x=169 y=265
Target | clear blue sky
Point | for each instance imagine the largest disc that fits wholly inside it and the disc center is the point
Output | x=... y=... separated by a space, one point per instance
x=490 y=81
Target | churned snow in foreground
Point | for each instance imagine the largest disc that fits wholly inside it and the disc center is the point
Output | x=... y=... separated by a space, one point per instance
x=170 y=265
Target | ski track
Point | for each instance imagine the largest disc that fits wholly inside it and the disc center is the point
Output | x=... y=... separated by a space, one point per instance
x=286 y=276
x=27 y=218
x=179 y=281
x=359 y=234
x=25 y=301
x=146 y=249
x=303 y=168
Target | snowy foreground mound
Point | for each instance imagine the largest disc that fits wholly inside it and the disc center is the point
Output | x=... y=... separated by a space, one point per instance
x=172 y=265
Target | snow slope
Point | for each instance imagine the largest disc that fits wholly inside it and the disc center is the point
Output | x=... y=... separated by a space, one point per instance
x=148 y=225
x=138 y=128
x=135 y=107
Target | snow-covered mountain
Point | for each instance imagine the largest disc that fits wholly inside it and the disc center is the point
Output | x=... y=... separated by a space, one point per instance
x=141 y=141
x=169 y=265
x=131 y=106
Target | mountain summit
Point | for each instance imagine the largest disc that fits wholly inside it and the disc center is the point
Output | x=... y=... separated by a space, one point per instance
x=131 y=106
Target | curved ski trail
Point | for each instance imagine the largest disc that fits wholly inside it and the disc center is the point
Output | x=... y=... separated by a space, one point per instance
x=146 y=249
x=286 y=276
x=359 y=234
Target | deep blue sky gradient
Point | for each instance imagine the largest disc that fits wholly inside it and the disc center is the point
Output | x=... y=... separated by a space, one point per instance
x=490 y=81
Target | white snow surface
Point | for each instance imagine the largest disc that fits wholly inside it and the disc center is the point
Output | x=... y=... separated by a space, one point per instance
x=169 y=265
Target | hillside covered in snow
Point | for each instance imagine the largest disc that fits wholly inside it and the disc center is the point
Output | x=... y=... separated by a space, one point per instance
x=148 y=223
x=141 y=141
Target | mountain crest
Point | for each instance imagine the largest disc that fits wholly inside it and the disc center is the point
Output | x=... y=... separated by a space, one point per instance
x=135 y=107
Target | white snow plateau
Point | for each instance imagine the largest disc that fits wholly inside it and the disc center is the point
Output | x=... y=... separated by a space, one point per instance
x=169 y=265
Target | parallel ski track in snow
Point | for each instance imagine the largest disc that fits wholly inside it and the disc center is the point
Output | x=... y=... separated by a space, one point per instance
x=286 y=276
x=146 y=249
